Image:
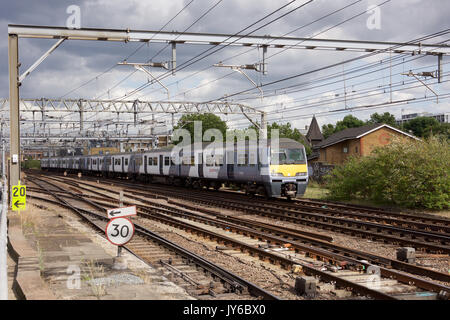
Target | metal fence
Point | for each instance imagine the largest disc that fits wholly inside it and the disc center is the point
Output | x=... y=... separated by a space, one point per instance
x=318 y=170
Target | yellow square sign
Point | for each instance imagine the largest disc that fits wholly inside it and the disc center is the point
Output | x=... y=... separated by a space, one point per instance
x=18 y=197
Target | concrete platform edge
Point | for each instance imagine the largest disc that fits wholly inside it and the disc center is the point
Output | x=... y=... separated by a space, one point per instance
x=28 y=284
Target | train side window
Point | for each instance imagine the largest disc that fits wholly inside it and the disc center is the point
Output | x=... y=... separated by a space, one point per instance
x=192 y=160
x=155 y=161
x=150 y=161
x=166 y=161
x=252 y=159
x=126 y=161
x=209 y=160
x=242 y=159
x=219 y=160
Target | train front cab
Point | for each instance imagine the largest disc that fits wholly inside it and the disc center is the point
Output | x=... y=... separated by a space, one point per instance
x=288 y=171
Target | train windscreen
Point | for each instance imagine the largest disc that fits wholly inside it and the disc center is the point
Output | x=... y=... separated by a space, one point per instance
x=288 y=156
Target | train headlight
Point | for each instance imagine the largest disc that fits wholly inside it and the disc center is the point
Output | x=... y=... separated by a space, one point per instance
x=298 y=174
x=276 y=174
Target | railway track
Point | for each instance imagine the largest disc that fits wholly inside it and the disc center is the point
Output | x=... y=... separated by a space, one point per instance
x=200 y=277
x=424 y=221
x=425 y=240
x=287 y=233
x=308 y=247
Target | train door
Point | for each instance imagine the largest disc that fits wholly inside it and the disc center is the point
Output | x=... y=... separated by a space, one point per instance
x=161 y=159
x=230 y=165
x=200 y=164
x=123 y=165
x=145 y=164
x=180 y=162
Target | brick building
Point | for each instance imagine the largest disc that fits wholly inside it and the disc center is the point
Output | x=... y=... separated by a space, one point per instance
x=359 y=141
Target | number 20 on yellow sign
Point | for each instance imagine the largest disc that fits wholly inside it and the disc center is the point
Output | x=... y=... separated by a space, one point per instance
x=18 y=197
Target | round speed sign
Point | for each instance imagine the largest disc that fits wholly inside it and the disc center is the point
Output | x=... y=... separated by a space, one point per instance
x=119 y=231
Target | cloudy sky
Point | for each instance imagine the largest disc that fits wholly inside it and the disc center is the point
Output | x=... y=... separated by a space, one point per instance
x=363 y=82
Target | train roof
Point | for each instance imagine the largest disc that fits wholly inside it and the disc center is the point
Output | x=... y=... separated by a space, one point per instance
x=283 y=143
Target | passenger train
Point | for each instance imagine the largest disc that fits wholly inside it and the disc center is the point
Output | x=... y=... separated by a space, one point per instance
x=208 y=165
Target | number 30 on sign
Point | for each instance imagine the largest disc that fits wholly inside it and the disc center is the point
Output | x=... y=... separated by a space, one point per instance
x=119 y=231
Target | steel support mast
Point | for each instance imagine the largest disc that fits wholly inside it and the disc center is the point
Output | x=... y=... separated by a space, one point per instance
x=14 y=130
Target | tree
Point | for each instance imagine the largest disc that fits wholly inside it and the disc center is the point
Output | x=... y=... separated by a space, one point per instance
x=286 y=131
x=421 y=126
x=208 y=120
x=386 y=118
x=412 y=173
x=442 y=129
x=327 y=130
x=349 y=121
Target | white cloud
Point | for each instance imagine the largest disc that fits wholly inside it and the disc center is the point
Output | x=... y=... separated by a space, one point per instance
x=77 y=62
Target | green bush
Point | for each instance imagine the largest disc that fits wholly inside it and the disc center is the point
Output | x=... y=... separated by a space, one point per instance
x=410 y=174
x=31 y=164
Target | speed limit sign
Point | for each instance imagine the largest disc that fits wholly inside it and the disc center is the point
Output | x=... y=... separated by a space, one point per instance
x=119 y=231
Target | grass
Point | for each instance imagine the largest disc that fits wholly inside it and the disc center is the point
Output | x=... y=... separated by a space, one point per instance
x=143 y=274
x=93 y=270
x=316 y=191
x=41 y=257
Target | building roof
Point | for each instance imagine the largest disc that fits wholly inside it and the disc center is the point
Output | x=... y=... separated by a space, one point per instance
x=314 y=133
x=314 y=155
x=356 y=133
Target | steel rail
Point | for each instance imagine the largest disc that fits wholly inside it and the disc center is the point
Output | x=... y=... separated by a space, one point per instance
x=390 y=273
x=346 y=251
x=322 y=220
x=376 y=211
x=283 y=238
x=227 y=276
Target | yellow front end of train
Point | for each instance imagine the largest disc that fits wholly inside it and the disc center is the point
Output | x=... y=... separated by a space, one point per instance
x=289 y=171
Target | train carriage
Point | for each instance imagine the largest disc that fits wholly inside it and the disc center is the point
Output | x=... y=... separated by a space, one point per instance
x=205 y=165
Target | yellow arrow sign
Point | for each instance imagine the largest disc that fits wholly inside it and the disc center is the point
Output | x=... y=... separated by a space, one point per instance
x=18 y=197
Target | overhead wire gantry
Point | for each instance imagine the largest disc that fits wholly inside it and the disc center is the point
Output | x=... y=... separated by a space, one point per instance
x=265 y=42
